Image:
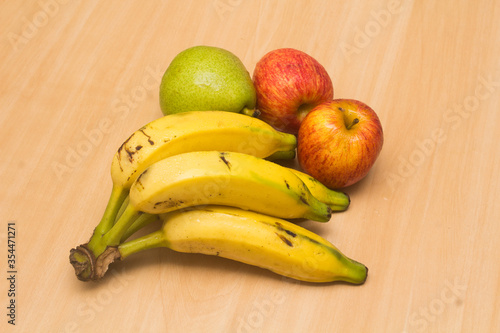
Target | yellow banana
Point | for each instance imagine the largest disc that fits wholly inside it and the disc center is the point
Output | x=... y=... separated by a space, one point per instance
x=196 y=131
x=338 y=201
x=225 y=178
x=249 y=237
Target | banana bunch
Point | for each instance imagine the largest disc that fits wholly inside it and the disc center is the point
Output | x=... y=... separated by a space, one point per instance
x=211 y=177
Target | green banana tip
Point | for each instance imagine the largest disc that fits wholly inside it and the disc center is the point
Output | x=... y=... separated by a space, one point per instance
x=365 y=275
x=363 y=269
x=341 y=205
x=323 y=217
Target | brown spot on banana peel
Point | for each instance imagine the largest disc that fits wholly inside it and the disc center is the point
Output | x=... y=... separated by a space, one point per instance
x=123 y=147
x=128 y=150
x=138 y=180
x=130 y=154
x=167 y=204
x=223 y=158
x=151 y=142
x=284 y=239
x=130 y=176
x=280 y=227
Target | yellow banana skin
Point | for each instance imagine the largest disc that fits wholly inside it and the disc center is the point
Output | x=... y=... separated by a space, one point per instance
x=338 y=201
x=252 y=238
x=196 y=131
x=225 y=178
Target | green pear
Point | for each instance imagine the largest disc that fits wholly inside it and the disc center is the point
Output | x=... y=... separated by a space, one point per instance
x=207 y=78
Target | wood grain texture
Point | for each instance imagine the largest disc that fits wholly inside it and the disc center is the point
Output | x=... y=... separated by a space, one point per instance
x=79 y=76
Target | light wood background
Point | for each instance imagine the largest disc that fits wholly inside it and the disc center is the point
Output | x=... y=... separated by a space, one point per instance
x=77 y=77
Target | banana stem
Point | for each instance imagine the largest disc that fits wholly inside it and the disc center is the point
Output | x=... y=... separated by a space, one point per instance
x=122 y=208
x=149 y=241
x=118 y=196
x=83 y=257
x=91 y=260
x=98 y=268
x=142 y=221
x=114 y=235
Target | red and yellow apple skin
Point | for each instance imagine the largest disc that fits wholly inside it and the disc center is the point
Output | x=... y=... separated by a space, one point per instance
x=339 y=141
x=289 y=83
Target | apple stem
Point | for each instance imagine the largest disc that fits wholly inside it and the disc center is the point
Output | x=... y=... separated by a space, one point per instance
x=354 y=122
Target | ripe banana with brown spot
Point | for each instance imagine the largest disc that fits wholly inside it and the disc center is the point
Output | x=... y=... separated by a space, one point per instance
x=338 y=201
x=252 y=238
x=225 y=178
x=196 y=131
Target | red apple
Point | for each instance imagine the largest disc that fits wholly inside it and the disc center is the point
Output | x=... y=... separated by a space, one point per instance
x=339 y=141
x=289 y=83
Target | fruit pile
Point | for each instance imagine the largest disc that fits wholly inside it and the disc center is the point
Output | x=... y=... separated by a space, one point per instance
x=210 y=170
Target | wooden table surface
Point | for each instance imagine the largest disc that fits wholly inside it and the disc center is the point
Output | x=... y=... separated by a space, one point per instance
x=77 y=77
